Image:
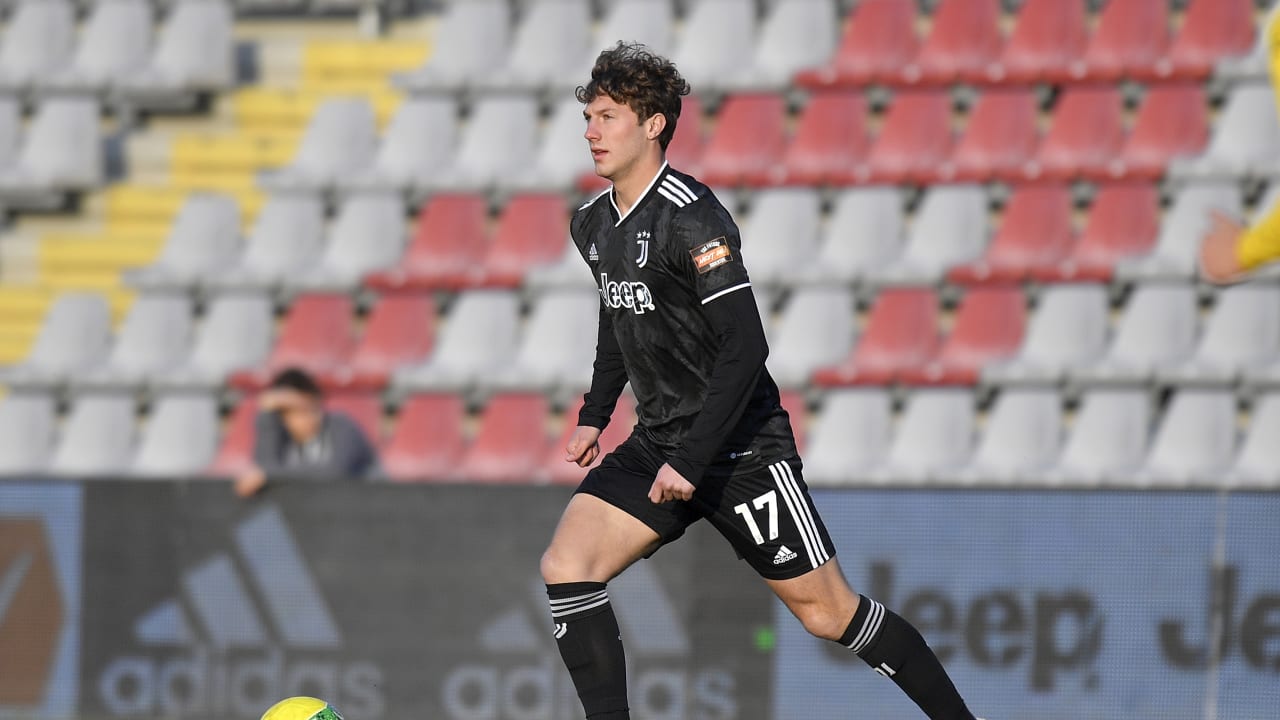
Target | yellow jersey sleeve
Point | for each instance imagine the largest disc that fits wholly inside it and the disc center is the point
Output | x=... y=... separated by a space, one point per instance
x=1261 y=243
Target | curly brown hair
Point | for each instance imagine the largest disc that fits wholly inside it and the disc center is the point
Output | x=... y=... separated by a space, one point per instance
x=634 y=76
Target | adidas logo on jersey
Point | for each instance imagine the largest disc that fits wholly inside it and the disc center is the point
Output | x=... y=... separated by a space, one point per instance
x=592 y=255
x=784 y=555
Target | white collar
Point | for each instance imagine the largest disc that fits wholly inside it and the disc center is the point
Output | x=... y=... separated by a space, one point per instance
x=647 y=188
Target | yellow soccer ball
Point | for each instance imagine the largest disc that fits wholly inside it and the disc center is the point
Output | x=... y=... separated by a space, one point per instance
x=301 y=708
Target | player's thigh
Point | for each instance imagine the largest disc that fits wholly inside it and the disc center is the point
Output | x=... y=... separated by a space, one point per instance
x=595 y=541
x=821 y=599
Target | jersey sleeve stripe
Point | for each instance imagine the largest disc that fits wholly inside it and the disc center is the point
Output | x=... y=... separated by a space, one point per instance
x=677 y=184
x=680 y=202
x=724 y=292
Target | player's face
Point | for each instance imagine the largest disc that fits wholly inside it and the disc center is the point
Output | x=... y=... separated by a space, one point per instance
x=615 y=135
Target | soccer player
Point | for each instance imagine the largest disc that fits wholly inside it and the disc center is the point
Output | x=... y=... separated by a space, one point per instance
x=679 y=322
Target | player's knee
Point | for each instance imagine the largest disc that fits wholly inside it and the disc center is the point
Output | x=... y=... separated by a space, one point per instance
x=557 y=567
x=821 y=621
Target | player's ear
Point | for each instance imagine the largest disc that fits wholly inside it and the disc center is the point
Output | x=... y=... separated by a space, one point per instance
x=654 y=126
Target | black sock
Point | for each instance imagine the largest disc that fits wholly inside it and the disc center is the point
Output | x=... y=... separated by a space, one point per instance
x=587 y=634
x=895 y=649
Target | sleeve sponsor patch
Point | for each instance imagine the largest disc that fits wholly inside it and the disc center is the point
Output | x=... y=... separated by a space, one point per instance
x=711 y=255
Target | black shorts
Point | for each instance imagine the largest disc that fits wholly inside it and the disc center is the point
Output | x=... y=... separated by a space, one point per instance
x=765 y=513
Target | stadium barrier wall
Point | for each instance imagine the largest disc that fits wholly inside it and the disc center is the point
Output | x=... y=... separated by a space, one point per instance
x=128 y=599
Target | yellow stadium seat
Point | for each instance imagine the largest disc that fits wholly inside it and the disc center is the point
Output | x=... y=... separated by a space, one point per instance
x=369 y=61
x=63 y=253
x=230 y=153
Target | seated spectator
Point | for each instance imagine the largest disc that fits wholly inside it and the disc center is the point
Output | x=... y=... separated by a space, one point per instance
x=295 y=436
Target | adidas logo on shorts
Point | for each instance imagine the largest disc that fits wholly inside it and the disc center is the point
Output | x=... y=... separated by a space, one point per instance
x=784 y=555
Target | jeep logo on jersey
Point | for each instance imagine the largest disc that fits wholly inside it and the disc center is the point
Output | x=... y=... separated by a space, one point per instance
x=632 y=295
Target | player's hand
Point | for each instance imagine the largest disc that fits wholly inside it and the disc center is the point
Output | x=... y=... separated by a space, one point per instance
x=1218 y=261
x=670 y=485
x=250 y=482
x=584 y=446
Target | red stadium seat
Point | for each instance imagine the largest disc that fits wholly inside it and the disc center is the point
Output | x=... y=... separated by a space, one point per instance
x=988 y=327
x=1123 y=223
x=964 y=41
x=448 y=242
x=793 y=402
x=1035 y=233
x=533 y=230
x=1211 y=30
x=901 y=333
x=235 y=454
x=427 y=443
x=1131 y=37
x=878 y=41
x=684 y=153
x=1049 y=35
x=1086 y=136
x=830 y=141
x=317 y=337
x=914 y=141
x=748 y=141
x=400 y=331
x=999 y=140
x=559 y=472
x=1173 y=122
x=512 y=440
x=363 y=407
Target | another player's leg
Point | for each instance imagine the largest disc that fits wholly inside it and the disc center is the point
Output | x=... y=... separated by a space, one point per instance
x=594 y=542
x=824 y=603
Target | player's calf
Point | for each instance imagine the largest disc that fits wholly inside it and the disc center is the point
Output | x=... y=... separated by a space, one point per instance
x=590 y=644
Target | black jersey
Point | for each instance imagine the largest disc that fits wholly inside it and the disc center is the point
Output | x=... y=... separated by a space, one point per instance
x=676 y=250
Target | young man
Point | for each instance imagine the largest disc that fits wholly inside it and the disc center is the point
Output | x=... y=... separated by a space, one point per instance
x=679 y=322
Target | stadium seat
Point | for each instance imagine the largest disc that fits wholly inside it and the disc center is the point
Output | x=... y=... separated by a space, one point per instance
x=10 y=129
x=234 y=335
x=877 y=43
x=864 y=232
x=558 y=472
x=915 y=139
x=815 y=330
x=901 y=332
x=1211 y=30
x=548 y=43
x=511 y=441
x=1246 y=139
x=687 y=146
x=988 y=328
x=180 y=437
x=1157 y=329
x=934 y=434
x=1130 y=38
x=1242 y=333
x=1068 y=330
x=556 y=347
x=340 y=139
x=1181 y=229
x=114 y=43
x=717 y=39
x=1035 y=232
x=950 y=228
x=1123 y=224
x=1000 y=139
x=204 y=238
x=1108 y=439
x=793 y=402
x=1023 y=435
x=61 y=153
x=781 y=233
x=235 y=449
x=964 y=40
x=850 y=435
x=1258 y=462
x=464 y=40
x=563 y=155
x=419 y=139
x=478 y=338
x=1195 y=441
x=427 y=443
x=448 y=242
x=530 y=233
x=27 y=424
x=97 y=437
x=795 y=35
x=194 y=55
x=830 y=141
x=364 y=407
x=748 y=142
x=1086 y=136
x=368 y=235
x=36 y=42
x=1172 y=123
x=499 y=135
x=1048 y=36
x=316 y=336
x=287 y=236
x=568 y=272
x=156 y=337
x=74 y=335
x=647 y=21
x=400 y=331
x=1251 y=66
